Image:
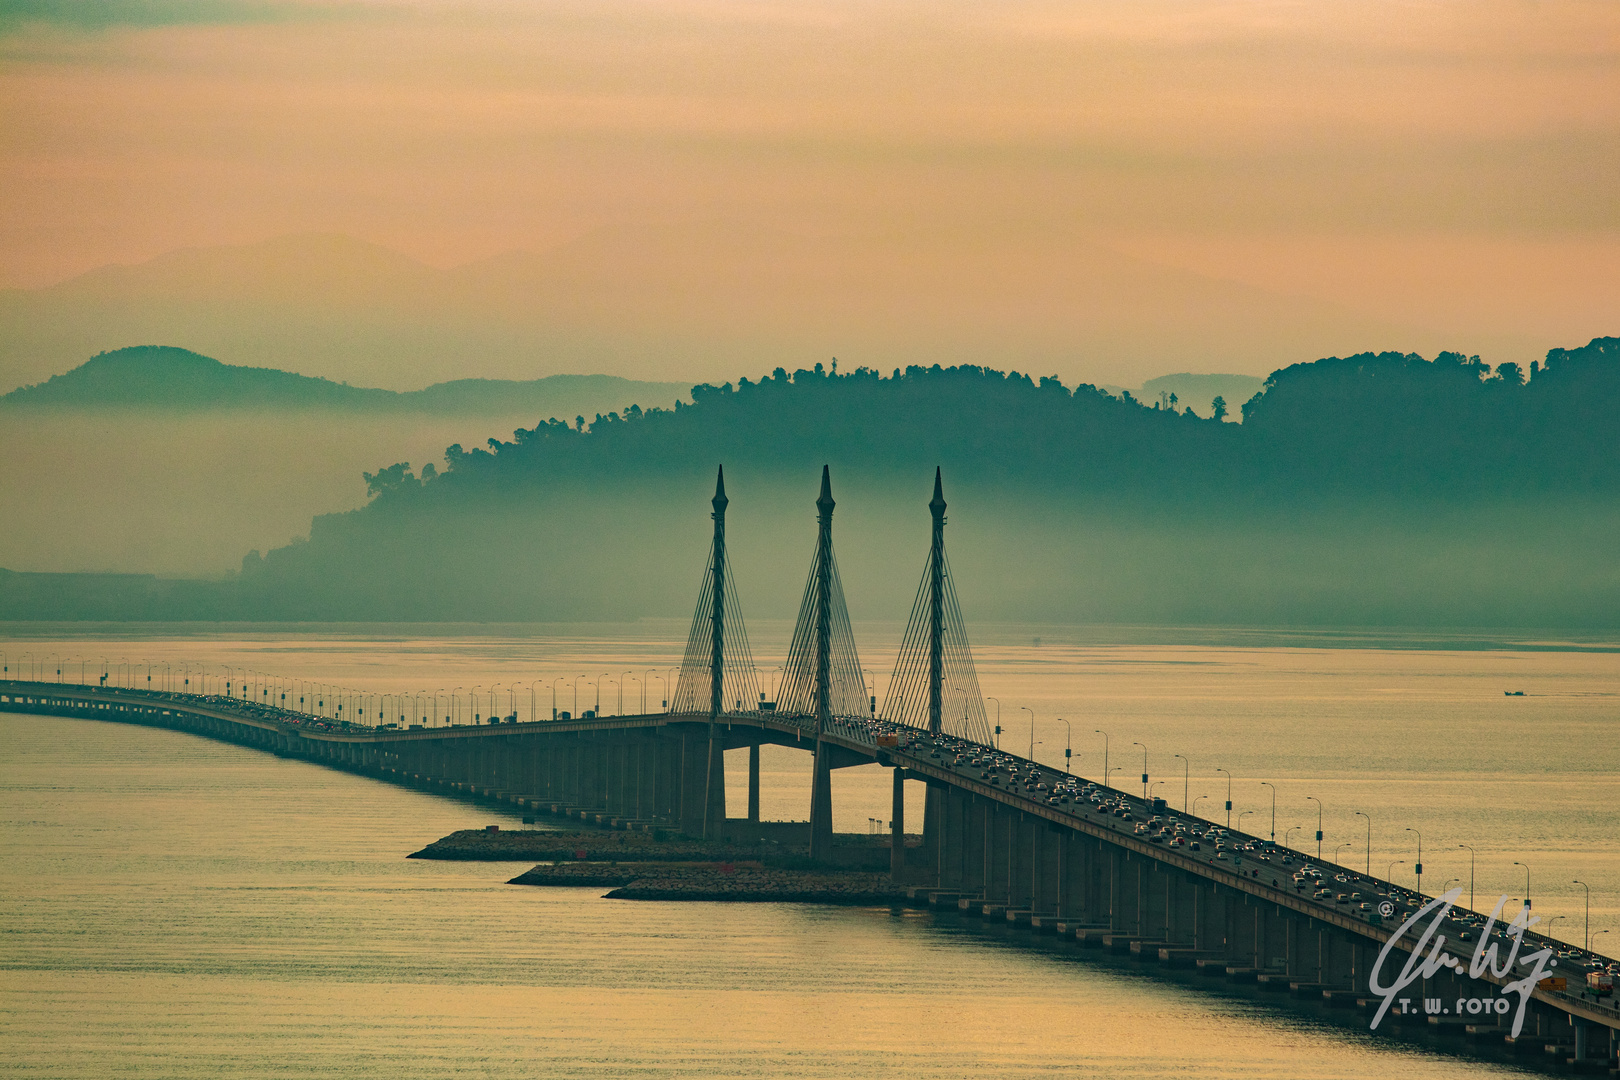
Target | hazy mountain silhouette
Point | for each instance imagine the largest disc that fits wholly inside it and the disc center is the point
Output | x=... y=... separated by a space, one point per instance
x=708 y=298
x=163 y=377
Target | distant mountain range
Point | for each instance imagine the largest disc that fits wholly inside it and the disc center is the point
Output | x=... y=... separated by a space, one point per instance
x=710 y=299
x=166 y=377
x=163 y=377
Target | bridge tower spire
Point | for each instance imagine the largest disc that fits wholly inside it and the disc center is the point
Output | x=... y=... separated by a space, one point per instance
x=935 y=663
x=717 y=679
x=822 y=680
x=821 y=789
x=936 y=611
x=714 y=802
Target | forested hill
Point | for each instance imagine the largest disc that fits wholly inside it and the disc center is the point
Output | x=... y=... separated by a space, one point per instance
x=1372 y=490
x=1372 y=424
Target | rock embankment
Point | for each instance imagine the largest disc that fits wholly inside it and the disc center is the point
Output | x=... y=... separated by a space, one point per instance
x=579 y=874
x=724 y=881
x=763 y=886
x=509 y=845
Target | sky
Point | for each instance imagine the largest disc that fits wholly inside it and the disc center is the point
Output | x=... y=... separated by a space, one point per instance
x=1106 y=190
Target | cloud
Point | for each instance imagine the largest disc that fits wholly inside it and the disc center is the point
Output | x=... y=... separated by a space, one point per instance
x=98 y=15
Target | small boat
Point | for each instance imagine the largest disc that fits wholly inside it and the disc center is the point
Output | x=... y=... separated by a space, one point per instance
x=1513 y=693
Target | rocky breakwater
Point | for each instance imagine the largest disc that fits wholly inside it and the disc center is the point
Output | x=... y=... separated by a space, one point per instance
x=507 y=845
x=724 y=881
x=765 y=884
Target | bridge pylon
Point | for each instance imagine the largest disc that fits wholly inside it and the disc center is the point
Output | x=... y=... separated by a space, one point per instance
x=823 y=678
x=717 y=674
x=935 y=685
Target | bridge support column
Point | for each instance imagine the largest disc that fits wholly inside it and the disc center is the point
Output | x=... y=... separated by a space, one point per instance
x=897 y=818
x=753 y=784
x=821 y=827
x=692 y=794
x=933 y=804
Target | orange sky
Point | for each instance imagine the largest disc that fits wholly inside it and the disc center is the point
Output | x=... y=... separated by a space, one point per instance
x=1445 y=166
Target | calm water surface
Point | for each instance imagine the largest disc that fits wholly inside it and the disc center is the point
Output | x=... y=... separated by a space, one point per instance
x=174 y=907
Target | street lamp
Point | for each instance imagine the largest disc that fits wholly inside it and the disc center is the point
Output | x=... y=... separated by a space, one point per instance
x=1588 y=935
x=1144 y=769
x=1186 y=785
x=1318 y=802
x=1516 y=862
x=1273 y=787
x=1369 y=848
x=998 y=714
x=1107 y=772
x=1228 y=796
x=1288 y=835
x=1419 y=866
x=1068 y=746
x=1243 y=815
x=1341 y=847
x=1031 y=712
x=608 y=675
x=576 y=695
x=1156 y=785
x=1391 y=870
x=1195 y=803
x=1470 y=874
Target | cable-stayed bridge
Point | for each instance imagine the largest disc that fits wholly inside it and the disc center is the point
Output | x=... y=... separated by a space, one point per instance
x=1002 y=837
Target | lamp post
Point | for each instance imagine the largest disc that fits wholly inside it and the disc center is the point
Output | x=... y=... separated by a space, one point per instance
x=1144 y=769
x=1273 y=787
x=1341 y=847
x=628 y=674
x=1243 y=815
x=1470 y=874
x=1195 y=803
x=1156 y=785
x=1516 y=862
x=1318 y=802
x=1186 y=787
x=605 y=675
x=1369 y=846
x=1228 y=796
x=1419 y=866
x=1288 y=835
x=998 y=717
x=576 y=695
x=1068 y=746
x=1107 y=772
x=1393 y=864
x=1587 y=936
x=1031 y=712
x=646 y=682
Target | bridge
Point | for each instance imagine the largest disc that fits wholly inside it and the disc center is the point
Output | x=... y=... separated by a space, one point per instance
x=1003 y=837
